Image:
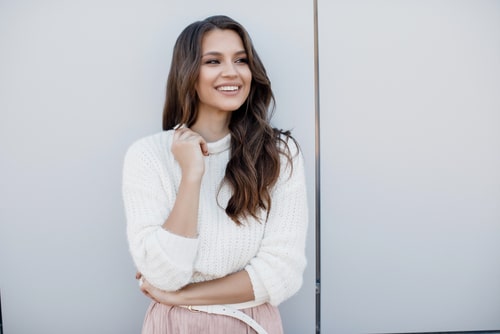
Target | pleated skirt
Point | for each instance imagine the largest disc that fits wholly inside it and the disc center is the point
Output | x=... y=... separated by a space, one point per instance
x=165 y=319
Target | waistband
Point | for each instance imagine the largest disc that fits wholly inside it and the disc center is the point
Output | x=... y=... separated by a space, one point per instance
x=240 y=306
x=231 y=310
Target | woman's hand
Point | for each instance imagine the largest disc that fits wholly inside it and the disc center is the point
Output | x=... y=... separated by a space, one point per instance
x=189 y=148
x=159 y=296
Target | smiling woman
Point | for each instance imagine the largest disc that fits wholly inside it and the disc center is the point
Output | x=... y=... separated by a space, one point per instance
x=216 y=204
x=224 y=80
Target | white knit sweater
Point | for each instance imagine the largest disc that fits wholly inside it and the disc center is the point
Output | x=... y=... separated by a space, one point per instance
x=271 y=252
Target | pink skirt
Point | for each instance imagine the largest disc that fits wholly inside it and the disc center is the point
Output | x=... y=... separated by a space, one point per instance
x=165 y=319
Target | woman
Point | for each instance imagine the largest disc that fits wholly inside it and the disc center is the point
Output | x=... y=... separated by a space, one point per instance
x=216 y=204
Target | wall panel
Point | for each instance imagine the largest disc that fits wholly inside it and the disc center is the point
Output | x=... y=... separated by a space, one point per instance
x=410 y=161
x=80 y=81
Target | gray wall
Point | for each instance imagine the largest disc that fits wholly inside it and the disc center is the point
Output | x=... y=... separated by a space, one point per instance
x=79 y=82
x=410 y=117
x=410 y=158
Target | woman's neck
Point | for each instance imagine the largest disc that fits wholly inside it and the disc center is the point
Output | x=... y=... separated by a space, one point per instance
x=211 y=129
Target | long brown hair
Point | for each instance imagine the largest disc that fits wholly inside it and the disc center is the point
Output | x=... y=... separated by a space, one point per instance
x=254 y=163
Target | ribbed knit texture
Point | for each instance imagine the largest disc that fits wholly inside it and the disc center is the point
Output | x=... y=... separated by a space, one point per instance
x=272 y=252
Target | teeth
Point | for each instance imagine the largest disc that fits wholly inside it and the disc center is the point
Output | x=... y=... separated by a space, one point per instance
x=228 y=88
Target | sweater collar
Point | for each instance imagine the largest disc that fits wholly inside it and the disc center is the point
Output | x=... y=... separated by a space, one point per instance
x=220 y=145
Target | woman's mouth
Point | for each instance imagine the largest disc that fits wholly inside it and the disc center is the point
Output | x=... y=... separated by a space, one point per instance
x=228 y=88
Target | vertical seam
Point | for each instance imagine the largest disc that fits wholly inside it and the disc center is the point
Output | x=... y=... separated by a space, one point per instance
x=317 y=169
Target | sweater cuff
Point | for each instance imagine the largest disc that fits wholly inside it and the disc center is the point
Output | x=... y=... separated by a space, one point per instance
x=181 y=250
x=259 y=290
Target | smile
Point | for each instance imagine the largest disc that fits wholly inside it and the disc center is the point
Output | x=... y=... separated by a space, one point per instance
x=228 y=88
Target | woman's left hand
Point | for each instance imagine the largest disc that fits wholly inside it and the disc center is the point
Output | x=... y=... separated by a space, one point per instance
x=159 y=296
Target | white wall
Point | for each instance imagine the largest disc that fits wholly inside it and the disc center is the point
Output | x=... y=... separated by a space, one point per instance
x=79 y=82
x=410 y=160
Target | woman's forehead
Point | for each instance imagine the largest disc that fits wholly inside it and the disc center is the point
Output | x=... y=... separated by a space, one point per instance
x=222 y=41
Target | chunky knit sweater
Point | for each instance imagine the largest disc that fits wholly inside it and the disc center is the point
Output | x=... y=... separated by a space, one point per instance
x=272 y=251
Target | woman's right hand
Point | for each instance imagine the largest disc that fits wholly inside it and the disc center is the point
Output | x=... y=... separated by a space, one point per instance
x=189 y=149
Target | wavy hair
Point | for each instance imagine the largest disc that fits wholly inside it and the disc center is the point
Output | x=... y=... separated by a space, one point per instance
x=254 y=163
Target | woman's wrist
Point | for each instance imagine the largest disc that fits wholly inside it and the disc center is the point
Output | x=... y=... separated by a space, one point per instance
x=176 y=298
x=184 y=296
x=192 y=178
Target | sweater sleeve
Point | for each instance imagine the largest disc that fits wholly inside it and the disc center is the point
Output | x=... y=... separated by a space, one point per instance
x=277 y=269
x=164 y=259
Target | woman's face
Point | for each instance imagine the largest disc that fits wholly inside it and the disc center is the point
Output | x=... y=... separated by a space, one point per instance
x=224 y=80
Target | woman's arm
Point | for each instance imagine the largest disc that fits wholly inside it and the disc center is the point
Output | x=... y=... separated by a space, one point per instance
x=231 y=289
x=188 y=148
x=161 y=222
x=276 y=272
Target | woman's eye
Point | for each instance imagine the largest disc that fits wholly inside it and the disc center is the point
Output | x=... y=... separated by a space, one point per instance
x=212 y=61
x=242 y=60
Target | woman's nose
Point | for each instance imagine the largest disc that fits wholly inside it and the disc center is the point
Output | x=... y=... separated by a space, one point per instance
x=229 y=69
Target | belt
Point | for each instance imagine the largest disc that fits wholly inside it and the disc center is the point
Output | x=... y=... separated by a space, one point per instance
x=231 y=311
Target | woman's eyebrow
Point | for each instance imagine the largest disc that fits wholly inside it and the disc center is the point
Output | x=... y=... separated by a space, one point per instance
x=216 y=53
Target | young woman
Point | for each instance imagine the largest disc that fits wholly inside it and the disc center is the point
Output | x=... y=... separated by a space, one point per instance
x=216 y=203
